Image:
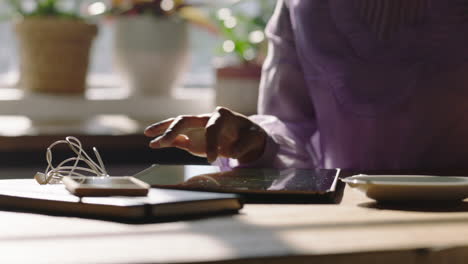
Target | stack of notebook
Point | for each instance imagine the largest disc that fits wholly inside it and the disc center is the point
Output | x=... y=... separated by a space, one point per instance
x=159 y=204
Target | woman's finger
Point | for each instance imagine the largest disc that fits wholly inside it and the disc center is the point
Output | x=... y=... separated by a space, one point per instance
x=219 y=133
x=213 y=132
x=179 y=126
x=213 y=129
x=157 y=129
x=156 y=143
x=182 y=142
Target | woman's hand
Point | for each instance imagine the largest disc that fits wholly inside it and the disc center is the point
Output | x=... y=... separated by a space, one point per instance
x=223 y=133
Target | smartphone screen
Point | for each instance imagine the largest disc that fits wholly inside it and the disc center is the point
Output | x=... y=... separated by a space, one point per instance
x=105 y=186
x=108 y=182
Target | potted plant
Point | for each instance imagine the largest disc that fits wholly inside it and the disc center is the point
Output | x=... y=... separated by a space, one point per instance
x=152 y=43
x=244 y=47
x=54 y=46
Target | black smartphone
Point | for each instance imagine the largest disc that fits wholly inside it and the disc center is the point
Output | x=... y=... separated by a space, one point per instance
x=105 y=186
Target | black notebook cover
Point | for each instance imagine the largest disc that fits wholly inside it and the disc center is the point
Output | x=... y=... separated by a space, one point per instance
x=28 y=195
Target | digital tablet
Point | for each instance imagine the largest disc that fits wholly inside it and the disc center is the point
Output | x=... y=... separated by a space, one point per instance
x=254 y=185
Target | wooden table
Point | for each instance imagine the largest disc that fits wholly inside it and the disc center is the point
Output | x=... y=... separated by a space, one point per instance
x=357 y=231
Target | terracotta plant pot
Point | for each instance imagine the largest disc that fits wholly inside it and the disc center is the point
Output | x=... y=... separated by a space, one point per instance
x=237 y=87
x=54 y=54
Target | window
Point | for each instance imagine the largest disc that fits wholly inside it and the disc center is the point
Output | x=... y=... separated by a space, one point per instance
x=106 y=99
x=8 y=59
x=199 y=74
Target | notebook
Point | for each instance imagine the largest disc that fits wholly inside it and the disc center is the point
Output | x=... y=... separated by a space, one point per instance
x=161 y=204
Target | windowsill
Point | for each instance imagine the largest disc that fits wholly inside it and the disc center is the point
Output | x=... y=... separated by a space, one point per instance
x=107 y=101
x=102 y=111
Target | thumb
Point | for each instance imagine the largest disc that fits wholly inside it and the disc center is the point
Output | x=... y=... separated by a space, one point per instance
x=181 y=142
x=250 y=147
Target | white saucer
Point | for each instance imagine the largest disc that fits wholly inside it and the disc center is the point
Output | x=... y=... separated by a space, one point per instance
x=410 y=187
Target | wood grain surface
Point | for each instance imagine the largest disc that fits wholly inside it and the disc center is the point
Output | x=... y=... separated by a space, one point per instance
x=356 y=231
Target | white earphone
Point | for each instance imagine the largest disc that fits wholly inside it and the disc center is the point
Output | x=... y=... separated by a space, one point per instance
x=53 y=175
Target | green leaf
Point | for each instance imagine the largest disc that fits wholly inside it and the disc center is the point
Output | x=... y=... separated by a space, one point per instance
x=43 y=8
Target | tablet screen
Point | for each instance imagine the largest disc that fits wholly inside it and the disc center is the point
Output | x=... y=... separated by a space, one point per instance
x=255 y=185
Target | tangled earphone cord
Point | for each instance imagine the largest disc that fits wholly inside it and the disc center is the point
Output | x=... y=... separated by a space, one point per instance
x=54 y=175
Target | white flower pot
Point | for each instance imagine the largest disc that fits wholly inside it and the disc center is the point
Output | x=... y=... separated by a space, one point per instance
x=237 y=88
x=150 y=53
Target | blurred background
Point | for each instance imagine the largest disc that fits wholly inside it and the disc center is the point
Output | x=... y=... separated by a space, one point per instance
x=104 y=70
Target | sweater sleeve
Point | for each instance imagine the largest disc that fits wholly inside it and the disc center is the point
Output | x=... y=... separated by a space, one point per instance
x=285 y=108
